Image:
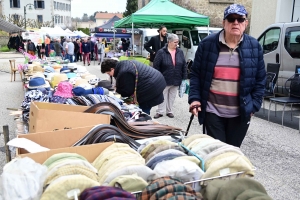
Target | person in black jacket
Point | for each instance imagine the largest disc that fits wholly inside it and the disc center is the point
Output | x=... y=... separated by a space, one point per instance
x=170 y=62
x=227 y=79
x=150 y=82
x=156 y=43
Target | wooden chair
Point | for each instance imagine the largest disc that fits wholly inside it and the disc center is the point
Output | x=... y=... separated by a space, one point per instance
x=14 y=70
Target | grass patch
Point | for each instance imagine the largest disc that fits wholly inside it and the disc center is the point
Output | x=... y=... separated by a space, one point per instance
x=4 y=49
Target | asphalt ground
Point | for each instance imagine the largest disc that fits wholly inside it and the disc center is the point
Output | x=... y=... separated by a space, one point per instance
x=274 y=150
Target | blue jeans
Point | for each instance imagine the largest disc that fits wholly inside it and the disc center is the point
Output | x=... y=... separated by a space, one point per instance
x=146 y=109
x=70 y=57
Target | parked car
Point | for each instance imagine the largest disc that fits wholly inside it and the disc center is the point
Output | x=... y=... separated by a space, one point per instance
x=281 y=44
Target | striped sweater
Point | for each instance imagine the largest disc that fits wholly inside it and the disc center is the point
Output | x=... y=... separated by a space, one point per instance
x=223 y=97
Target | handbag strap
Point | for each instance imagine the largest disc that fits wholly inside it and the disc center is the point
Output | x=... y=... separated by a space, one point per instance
x=136 y=82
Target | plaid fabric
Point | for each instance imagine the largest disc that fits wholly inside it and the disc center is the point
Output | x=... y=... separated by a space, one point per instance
x=156 y=185
x=104 y=192
x=168 y=187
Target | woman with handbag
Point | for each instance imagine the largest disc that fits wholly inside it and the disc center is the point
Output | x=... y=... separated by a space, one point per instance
x=144 y=84
x=171 y=63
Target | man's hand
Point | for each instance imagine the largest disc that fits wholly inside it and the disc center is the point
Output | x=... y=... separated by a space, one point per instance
x=195 y=107
x=153 y=53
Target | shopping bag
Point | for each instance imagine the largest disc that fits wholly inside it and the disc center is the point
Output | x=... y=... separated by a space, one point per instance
x=187 y=87
x=182 y=88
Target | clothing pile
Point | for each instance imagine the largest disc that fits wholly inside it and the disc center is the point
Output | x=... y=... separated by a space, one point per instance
x=217 y=158
x=136 y=131
x=68 y=172
x=167 y=158
x=32 y=95
x=235 y=189
x=106 y=133
x=169 y=188
x=105 y=192
x=121 y=166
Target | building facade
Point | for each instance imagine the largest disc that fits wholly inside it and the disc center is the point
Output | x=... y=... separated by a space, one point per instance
x=52 y=12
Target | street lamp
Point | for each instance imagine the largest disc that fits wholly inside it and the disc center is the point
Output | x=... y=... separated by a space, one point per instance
x=30 y=8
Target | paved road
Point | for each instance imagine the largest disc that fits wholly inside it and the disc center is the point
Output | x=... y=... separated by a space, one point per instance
x=273 y=150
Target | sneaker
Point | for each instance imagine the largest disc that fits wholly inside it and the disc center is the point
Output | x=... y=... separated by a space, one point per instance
x=170 y=115
x=157 y=115
x=98 y=63
x=89 y=64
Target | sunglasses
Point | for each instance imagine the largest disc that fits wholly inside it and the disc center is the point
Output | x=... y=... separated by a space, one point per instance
x=232 y=19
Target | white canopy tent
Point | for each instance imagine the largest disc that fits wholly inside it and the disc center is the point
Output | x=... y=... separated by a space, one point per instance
x=81 y=34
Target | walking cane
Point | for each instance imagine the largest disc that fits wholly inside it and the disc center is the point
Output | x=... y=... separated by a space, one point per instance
x=188 y=128
x=191 y=119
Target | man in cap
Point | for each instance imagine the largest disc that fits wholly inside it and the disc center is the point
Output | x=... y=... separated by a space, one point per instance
x=227 y=79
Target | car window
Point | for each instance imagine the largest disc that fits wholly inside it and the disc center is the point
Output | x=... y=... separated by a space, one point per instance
x=269 y=40
x=195 y=38
x=292 y=41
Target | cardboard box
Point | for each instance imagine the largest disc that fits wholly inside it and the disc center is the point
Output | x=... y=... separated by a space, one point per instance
x=50 y=116
x=90 y=152
x=55 y=139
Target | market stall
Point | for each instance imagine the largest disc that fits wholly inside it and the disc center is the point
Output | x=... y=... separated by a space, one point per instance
x=77 y=139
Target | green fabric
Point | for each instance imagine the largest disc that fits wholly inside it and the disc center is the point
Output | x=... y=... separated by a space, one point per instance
x=158 y=12
x=61 y=156
x=236 y=189
x=139 y=59
x=130 y=183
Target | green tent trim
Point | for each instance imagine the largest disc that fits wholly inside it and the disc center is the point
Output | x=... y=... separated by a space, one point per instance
x=163 y=12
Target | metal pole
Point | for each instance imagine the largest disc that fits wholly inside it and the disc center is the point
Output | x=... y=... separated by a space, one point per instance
x=6 y=140
x=114 y=39
x=293 y=11
x=132 y=39
x=25 y=16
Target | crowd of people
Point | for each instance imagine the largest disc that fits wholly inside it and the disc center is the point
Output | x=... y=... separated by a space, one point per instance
x=83 y=49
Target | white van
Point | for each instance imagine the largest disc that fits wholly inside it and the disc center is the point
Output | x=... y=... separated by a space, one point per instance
x=205 y=31
x=281 y=44
x=147 y=34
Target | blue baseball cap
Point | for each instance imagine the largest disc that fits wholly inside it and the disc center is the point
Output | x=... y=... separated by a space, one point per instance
x=235 y=9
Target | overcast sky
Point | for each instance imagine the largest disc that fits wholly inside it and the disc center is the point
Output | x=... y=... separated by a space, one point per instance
x=79 y=7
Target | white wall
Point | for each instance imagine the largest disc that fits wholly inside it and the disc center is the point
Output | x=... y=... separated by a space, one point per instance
x=265 y=13
x=31 y=14
x=284 y=11
x=297 y=11
x=262 y=15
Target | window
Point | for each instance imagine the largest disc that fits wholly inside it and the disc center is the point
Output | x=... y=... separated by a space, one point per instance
x=195 y=37
x=64 y=6
x=70 y=7
x=54 y=4
x=40 y=18
x=269 y=40
x=292 y=41
x=186 y=40
x=39 y=4
x=61 y=19
x=15 y=3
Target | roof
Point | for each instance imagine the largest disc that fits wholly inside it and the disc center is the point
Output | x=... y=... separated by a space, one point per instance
x=108 y=15
x=9 y=27
x=110 y=23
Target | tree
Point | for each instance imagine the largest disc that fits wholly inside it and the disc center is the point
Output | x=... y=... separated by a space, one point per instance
x=85 y=18
x=92 y=18
x=131 y=7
